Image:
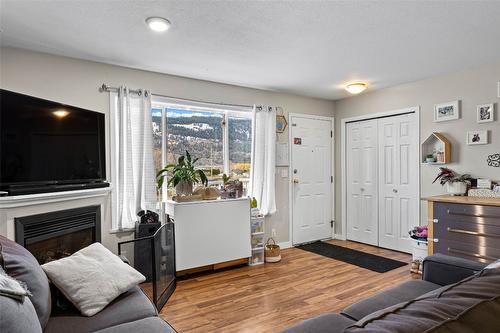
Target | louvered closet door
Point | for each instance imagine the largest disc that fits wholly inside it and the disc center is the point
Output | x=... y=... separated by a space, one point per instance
x=362 y=190
x=398 y=180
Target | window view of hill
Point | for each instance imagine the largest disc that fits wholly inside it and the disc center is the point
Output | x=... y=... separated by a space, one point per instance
x=201 y=133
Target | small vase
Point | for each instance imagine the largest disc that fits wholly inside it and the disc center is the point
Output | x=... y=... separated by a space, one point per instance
x=456 y=188
x=184 y=188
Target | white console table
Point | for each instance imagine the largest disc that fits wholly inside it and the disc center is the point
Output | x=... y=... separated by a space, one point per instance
x=210 y=232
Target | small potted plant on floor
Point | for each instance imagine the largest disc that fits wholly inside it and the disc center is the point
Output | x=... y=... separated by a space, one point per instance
x=183 y=175
x=455 y=184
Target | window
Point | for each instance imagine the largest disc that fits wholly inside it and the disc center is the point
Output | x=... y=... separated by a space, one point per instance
x=221 y=138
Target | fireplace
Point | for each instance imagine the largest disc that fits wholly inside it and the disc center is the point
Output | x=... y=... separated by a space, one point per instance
x=54 y=235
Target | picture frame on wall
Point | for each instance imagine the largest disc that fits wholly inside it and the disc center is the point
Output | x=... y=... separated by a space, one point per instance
x=447 y=111
x=477 y=137
x=485 y=113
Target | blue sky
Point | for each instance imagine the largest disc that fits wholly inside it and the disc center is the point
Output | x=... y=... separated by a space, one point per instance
x=178 y=113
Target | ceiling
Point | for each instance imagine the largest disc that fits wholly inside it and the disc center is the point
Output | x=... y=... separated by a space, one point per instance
x=306 y=48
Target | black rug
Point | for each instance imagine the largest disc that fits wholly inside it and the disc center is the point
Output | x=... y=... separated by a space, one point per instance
x=354 y=257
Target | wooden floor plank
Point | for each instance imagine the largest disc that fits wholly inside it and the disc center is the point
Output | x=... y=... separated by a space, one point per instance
x=271 y=297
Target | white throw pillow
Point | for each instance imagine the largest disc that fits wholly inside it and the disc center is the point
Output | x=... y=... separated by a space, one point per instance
x=92 y=277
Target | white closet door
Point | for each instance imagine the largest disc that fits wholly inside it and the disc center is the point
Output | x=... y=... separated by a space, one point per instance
x=398 y=180
x=362 y=190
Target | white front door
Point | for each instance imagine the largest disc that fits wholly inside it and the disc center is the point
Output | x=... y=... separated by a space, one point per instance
x=311 y=165
x=362 y=191
x=398 y=180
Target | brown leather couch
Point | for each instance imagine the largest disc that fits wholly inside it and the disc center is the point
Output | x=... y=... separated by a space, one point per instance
x=130 y=312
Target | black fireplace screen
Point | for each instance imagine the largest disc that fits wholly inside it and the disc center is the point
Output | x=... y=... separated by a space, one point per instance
x=157 y=262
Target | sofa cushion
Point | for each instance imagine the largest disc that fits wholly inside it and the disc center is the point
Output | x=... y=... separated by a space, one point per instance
x=149 y=325
x=21 y=265
x=92 y=277
x=130 y=306
x=18 y=316
x=403 y=292
x=432 y=311
x=326 y=323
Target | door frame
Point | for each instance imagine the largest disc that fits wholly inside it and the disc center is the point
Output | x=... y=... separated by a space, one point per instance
x=343 y=153
x=290 y=170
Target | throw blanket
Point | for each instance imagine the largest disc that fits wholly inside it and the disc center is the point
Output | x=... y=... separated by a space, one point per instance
x=12 y=288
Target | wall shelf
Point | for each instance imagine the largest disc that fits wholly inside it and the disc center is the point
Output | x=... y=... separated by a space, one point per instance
x=439 y=146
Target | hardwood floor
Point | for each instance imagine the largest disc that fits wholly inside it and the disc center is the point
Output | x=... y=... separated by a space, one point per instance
x=271 y=297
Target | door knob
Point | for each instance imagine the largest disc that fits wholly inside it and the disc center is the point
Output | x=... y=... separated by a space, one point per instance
x=295 y=181
x=394 y=190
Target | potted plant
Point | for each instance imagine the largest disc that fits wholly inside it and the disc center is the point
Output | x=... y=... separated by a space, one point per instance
x=430 y=158
x=455 y=184
x=183 y=175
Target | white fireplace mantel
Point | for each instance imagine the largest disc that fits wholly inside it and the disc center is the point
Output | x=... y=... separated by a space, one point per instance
x=52 y=197
x=12 y=207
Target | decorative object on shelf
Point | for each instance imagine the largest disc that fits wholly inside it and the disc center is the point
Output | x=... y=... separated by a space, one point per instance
x=477 y=137
x=183 y=175
x=438 y=147
x=281 y=124
x=447 y=111
x=207 y=193
x=232 y=188
x=485 y=113
x=493 y=160
x=430 y=158
x=272 y=251
x=455 y=184
x=484 y=183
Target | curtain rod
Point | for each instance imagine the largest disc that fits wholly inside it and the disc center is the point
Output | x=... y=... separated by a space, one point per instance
x=107 y=88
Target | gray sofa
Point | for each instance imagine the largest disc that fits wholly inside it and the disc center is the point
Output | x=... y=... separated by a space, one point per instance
x=454 y=295
x=130 y=312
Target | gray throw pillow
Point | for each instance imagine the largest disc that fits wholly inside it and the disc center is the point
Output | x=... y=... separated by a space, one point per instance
x=20 y=264
x=18 y=316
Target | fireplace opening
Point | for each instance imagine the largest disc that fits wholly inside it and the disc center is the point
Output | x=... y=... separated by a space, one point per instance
x=55 y=235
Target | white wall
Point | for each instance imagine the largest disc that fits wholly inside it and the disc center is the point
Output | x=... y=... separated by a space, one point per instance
x=472 y=87
x=76 y=82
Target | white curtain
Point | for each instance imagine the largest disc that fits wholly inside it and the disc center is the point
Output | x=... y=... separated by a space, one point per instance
x=262 y=173
x=132 y=145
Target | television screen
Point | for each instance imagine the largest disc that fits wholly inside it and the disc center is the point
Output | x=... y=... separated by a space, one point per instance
x=44 y=142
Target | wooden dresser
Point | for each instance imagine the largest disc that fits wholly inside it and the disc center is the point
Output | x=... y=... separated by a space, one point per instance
x=466 y=227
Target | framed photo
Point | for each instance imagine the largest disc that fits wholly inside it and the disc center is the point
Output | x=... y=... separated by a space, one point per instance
x=477 y=137
x=485 y=113
x=447 y=111
x=281 y=123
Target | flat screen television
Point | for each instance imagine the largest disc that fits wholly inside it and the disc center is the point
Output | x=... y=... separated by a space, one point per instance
x=47 y=146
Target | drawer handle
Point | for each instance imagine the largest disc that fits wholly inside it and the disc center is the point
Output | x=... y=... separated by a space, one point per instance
x=476 y=255
x=468 y=232
x=472 y=215
x=435 y=220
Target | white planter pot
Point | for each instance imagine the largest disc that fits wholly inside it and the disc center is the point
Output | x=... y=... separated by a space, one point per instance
x=456 y=188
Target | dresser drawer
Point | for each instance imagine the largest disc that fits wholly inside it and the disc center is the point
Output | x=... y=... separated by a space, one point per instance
x=466 y=250
x=486 y=215
x=467 y=232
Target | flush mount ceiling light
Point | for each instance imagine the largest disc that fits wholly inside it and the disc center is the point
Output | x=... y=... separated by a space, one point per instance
x=356 y=88
x=159 y=24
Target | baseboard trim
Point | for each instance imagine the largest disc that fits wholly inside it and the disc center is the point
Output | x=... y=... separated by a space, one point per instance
x=339 y=237
x=285 y=245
